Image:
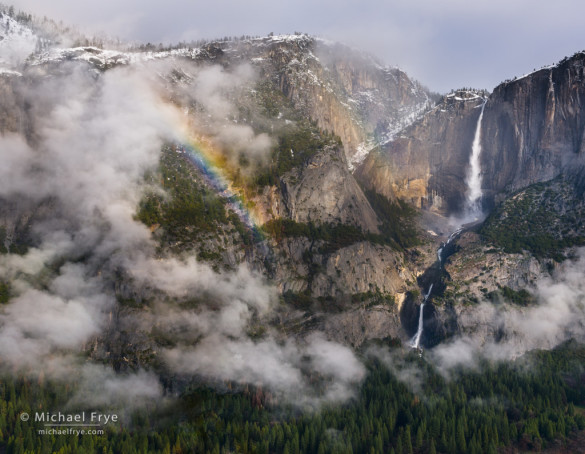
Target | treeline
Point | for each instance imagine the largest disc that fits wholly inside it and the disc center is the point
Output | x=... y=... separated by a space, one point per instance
x=398 y=227
x=520 y=297
x=194 y=44
x=334 y=236
x=528 y=404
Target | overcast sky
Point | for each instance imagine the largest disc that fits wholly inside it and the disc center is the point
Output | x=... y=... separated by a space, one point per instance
x=443 y=43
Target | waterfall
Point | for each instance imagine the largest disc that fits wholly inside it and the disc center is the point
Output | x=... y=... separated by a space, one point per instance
x=471 y=212
x=415 y=342
x=453 y=235
x=473 y=180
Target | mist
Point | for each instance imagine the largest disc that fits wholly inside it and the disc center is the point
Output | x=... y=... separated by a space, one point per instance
x=557 y=316
x=211 y=95
x=77 y=174
x=78 y=178
x=445 y=45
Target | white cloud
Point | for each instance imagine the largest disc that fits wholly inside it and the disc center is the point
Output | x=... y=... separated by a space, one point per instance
x=82 y=178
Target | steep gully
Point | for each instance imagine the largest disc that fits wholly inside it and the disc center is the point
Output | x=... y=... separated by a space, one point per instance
x=471 y=215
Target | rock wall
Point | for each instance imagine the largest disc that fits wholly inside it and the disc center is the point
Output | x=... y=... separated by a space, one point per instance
x=427 y=164
x=323 y=190
x=533 y=128
x=345 y=92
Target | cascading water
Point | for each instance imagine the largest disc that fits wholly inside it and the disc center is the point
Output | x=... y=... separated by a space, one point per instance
x=415 y=342
x=474 y=193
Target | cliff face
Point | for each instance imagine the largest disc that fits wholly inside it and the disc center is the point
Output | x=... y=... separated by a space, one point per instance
x=533 y=128
x=323 y=190
x=427 y=163
x=10 y=109
x=345 y=92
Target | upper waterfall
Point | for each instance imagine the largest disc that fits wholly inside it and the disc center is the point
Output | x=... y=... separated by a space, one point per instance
x=473 y=206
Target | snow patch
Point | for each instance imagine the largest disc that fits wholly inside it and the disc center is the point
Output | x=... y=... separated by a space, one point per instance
x=361 y=153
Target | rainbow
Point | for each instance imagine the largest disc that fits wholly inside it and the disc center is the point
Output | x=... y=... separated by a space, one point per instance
x=213 y=165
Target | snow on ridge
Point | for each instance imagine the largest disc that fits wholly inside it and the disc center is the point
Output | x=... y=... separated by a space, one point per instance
x=407 y=115
x=17 y=41
x=473 y=95
x=104 y=57
x=9 y=72
x=533 y=72
x=289 y=38
x=362 y=151
x=365 y=148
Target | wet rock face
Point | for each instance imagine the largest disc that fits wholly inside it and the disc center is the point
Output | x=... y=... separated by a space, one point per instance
x=409 y=315
x=427 y=163
x=435 y=327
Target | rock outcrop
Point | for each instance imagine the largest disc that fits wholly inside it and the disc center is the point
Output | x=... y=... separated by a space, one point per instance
x=344 y=91
x=323 y=190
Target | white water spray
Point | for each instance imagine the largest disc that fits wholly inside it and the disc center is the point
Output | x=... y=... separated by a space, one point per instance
x=415 y=342
x=473 y=179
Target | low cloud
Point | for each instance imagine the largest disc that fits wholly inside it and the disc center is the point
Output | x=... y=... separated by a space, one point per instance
x=213 y=338
x=216 y=91
x=557 y=317
x=503 y=332
x=288 y=368
x=78 y=178
x=99 y=386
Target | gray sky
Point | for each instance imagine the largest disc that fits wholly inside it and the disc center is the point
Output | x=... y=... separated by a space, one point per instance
x=443 y=43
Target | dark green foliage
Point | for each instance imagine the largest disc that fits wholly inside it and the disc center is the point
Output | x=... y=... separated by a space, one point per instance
x=291 y=129
x=305 y=140
x=476 y=412
x=20 y=243
x=398 y=234
x=4 y=292
x=543 y=219
x=296 y=144
x=374 y=298
x=521 y=297
x=3 y=249
x=334 y=236
x=398 y=221
x=188 y=209
x=297 y=300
